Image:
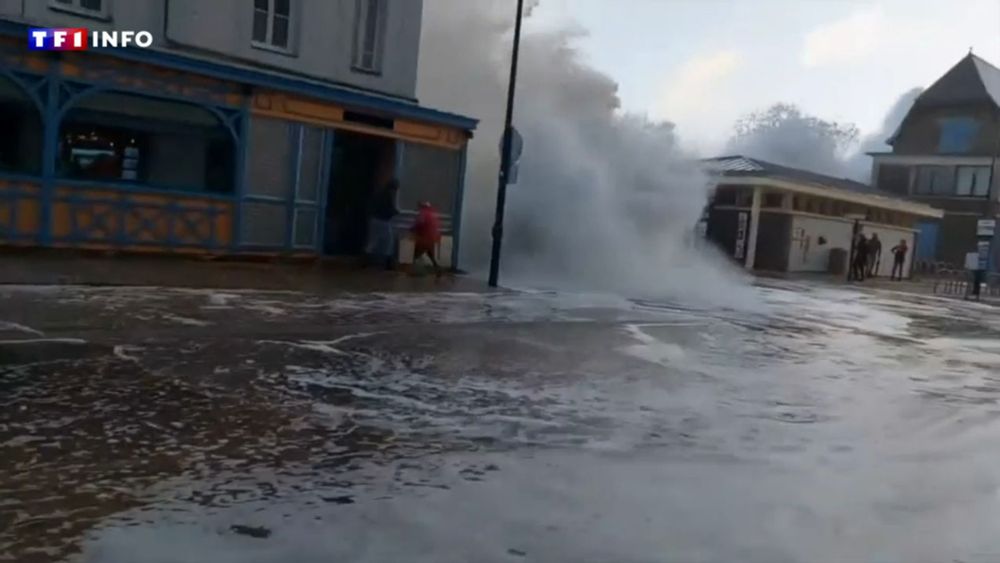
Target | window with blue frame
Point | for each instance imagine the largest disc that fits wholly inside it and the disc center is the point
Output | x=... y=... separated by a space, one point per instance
x=973 y=181
x=957 y=134
x=935 y=180
x=126 y=138
x=431 y=174
x=21 y=124
x=284 y=190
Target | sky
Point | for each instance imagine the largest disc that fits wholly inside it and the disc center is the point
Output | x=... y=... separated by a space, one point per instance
x=704 y=63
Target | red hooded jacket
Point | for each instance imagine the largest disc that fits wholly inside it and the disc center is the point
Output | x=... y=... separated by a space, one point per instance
x=427 y=227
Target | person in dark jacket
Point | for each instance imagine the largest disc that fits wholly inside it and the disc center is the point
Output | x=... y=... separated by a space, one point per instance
x=381 y=234
x=874 y=255
x=860 y=262
x=899 y=253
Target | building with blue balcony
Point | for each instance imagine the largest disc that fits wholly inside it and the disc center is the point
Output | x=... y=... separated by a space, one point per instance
x=249 y=127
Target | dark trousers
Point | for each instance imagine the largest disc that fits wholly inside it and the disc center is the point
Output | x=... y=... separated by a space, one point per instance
x=858 y=269
x=897 y=266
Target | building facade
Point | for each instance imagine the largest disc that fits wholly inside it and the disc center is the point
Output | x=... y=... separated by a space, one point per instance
x=774 y=218
x=250 y=127
x=944 y=153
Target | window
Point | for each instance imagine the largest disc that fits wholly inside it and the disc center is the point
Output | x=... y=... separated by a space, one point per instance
x=973 y=181
x=957 y=134
x=21 y=143
x=272 y=24
x=369 y=27
x=114 y=137
x=724 y=196
x=92 y=8
x=894 y=179
x=773 y=200
x=935 y=180
x=429 y=174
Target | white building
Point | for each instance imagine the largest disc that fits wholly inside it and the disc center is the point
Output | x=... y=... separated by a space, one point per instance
x=775 y=218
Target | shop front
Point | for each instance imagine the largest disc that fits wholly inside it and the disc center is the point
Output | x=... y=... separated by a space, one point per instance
x=148 y=151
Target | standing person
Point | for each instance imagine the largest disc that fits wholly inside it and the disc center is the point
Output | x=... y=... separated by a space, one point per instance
x=874 y=255
x=381 y=237
x=860 y=263
x=426 y=231
x=898 y=259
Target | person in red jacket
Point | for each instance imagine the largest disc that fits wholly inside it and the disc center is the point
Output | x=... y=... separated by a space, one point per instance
x=426 y=231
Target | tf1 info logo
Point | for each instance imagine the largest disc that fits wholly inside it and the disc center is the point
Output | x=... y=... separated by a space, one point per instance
x=81 y=39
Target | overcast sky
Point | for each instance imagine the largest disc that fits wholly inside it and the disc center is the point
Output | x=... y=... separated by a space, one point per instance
x=704 y=63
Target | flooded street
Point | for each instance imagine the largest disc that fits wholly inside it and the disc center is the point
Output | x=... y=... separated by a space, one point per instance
x=820 y=425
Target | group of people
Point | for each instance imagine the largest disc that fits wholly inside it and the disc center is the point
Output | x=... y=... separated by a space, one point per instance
x=426 y=228
x=868 y=257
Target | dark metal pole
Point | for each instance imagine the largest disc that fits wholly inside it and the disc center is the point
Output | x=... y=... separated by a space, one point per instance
x=505 y=155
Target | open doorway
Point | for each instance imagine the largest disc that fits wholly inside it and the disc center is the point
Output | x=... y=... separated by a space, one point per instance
x=360 y=163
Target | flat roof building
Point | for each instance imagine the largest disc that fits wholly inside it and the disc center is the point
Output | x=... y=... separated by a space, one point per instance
x=776 y=218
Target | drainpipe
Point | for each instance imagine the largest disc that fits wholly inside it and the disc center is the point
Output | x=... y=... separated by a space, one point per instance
x=751 y=253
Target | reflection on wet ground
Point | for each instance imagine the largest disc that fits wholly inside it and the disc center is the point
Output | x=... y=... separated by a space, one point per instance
x=819 y=424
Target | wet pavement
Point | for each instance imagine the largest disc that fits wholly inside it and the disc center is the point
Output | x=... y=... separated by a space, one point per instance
x=818 y=424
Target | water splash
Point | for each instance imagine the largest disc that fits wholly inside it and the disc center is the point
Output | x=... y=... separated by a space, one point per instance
x=604 y=200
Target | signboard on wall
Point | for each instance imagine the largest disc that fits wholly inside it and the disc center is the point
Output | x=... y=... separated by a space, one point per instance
x=971 y=260
x=986 y=227
x=983 y=254
x=741 y=235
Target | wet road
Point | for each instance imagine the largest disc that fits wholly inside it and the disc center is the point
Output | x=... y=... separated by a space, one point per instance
x=820 y=425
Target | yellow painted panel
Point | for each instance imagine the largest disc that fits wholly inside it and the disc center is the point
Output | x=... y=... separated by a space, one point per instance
x=70 y=69
x=192 y=228
x=60 y=219
x=146 y=225
x=296 y=108
x=223 y=229
x=316 y=110
x=420 y=130
x=37 y=63
x=28 y=212
x=304 y=110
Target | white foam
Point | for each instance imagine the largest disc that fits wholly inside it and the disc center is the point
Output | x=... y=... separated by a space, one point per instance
x=8 y=325
x=184 y=320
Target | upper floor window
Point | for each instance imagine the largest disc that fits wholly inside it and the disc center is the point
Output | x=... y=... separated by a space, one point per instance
x=973 y=181
x=272 y=24
x=92 y=8
x=369 y=28
x=935 y=180
x=958 y=134
x=894 y=178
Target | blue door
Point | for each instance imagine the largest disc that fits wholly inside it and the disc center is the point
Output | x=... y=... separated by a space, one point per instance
x=927 y=241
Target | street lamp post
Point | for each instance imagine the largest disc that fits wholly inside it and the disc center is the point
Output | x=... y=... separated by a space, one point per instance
x=505 y=155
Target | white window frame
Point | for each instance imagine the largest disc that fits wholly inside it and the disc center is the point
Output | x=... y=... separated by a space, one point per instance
x=916 y=186
x=361 y=8
x=76 y=7
x=971 y=188
x=271 y=15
